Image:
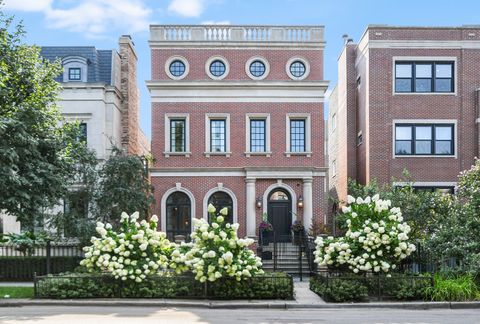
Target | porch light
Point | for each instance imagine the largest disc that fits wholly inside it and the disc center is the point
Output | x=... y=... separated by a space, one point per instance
x=300 y=202
x=258 y=202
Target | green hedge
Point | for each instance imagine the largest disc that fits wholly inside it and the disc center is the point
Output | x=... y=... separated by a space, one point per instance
x=267 y=286
x=23 y=268
x=356 y=288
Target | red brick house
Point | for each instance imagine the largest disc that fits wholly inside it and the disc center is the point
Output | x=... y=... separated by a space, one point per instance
x=406 y=98
x=237 y=121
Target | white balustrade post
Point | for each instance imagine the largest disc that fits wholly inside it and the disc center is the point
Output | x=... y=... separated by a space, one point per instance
x=250 y=208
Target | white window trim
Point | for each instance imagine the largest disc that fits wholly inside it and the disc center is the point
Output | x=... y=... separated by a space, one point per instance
x=248 y=117
x=210 y=61
x=253 y=59
x=304 y=61
x=208 y=117
x=177 y=58
x=163 y=205
x=168 y=117
x=426 y=121
x=430 y=59
x=281 y=185
x=69 y=62
x=308 y=134
x=222 y=189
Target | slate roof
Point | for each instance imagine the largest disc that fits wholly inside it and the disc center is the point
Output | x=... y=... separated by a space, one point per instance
x=99 y=61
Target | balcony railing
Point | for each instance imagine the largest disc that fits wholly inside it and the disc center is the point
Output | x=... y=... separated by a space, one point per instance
x=227 y=33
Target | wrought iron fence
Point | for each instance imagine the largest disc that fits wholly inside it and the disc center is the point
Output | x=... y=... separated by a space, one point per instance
x=270 y=286
x=374 y=286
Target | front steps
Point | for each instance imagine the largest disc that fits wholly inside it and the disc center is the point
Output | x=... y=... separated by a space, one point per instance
x=287 y=259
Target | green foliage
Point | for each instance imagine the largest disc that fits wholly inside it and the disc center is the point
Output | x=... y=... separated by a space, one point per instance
x=271 y=286
x=340 y=290
x=26 y=242
x=38 y=155
x=404 y=287
x=16 y=292
x=461 y=288
x=23 y=268
x=123 y=187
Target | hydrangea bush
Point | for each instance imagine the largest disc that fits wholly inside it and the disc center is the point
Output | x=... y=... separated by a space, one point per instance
x=136 y=251
x=216 y=251
x=376 y=238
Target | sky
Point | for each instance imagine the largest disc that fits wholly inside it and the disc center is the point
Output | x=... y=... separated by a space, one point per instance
x=99 y=23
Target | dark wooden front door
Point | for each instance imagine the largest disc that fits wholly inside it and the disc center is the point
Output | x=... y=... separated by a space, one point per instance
x=280 y=216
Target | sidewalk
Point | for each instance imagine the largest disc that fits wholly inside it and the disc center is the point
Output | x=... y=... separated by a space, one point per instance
x=304 y=298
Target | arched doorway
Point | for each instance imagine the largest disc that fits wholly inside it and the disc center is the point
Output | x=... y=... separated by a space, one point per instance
x=178 y=215
x=280 y=213
x=221 y=199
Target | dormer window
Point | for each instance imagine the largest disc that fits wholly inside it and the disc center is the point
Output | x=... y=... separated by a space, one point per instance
x=74 y=74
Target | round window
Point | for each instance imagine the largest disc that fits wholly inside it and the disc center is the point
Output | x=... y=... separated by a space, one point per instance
x=217 y=68
x=297 y=69
x=177 y=68
x=257 y=68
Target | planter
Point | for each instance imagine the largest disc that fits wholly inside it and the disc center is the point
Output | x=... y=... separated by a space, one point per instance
x=267 y=237
x=297 y=238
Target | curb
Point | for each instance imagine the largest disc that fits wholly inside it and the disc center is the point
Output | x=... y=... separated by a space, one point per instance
x=235 y=305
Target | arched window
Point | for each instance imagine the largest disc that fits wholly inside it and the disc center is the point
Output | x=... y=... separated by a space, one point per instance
x=221 y=200
x=279 y=195
x=178 y=215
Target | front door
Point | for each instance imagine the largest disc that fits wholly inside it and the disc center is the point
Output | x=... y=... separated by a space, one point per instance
x=280 y=214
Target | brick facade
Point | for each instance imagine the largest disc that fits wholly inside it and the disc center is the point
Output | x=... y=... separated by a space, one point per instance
x=375 y=106
x=248 y=178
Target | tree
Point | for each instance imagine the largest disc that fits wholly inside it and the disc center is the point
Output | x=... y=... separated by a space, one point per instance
x=36 y=151
x=123 y=187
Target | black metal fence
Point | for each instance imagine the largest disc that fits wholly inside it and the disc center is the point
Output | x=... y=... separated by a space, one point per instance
x=335 y=286
x=423 y=260
x=269 y=286
x=51 y=258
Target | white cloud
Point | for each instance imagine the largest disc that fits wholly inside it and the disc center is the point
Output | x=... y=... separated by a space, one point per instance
x=187 y=8
x=92 y=17
x=28 y=5
x=212 y=22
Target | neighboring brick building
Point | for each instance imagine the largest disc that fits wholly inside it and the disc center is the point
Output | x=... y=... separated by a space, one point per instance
x=99 y=89
x=237 y=120
x=406 y=98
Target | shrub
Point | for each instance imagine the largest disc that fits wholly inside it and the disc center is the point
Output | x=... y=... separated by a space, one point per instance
x=376 y=239
x=271 y=286
x=340 y=290
x=216 y=251
x=405 y=287
x=461 y=288
x=135 y=252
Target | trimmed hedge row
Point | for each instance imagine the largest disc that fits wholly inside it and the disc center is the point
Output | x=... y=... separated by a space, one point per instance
x=23 y=268
x=266 y=286
x=356 y=288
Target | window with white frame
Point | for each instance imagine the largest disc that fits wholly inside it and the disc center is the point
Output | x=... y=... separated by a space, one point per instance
x=424 y=139
x=298 y=134
x=257 y=134
x=177 y=139
x=217 y=133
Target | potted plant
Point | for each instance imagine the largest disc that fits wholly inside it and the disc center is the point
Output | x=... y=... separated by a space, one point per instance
x=298 y=230
x=265 y=230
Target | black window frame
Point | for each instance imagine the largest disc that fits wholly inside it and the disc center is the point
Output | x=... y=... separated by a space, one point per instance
x=434 y=188
x=221 y=199
x=293 y=70
x=178 y=201
x=293 y=145
x=70 y=70
x=215 y=71
x=83 y=136
x=176 y=71
x=224 y=121
x=432 y=79
x=432 y=140
x=254 y=141
x=255 y=71
x=184 y=134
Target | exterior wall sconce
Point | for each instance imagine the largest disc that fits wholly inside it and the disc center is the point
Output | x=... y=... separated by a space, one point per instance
x=300 y=202
x=258 y=202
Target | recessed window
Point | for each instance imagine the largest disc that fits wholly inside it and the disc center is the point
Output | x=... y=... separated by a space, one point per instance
x=177 y=68
x=447 y=190
x=217 y=68
x=75 y=74
x=257 y=68
x=297 y=135
x=334 y=122
x=218 y=135
x=82 y=133
x=258 y=135
x=424 y=77
x=424 y=139
x=221 y=200
x=177 y=135
x=359 y=138
x=297 y=69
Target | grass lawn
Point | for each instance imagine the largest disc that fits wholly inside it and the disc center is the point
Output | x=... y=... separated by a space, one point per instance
x=16 y=292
